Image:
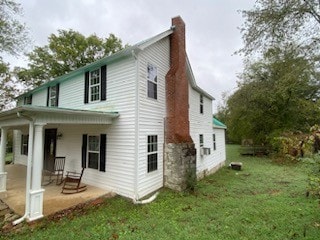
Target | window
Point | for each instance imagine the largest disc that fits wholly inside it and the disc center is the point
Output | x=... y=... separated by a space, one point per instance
x=53 y=96
x=201 y=140
x=28 y=100
x=201 y=104
x=94 y=85
x=214 y=142
x=152 y=81
x=152 y=153
x=24 y=144
x=93 y=152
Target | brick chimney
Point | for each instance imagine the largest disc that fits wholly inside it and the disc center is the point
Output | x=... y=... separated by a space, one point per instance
x=177 y=92
x=179 y=150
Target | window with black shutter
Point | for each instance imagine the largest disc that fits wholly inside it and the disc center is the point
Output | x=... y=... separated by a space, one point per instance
x=94 y=151
x=53 y=96
x=96 y=85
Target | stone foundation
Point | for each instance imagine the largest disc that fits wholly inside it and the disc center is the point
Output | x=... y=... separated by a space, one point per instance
x=179 y=165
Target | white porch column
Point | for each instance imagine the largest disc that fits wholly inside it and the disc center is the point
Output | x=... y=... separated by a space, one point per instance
x=36 y=192
x=3 y=146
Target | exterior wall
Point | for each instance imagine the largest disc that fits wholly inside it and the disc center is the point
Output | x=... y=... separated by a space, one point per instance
x=202 y=124
x=40 y=98
x=151 y=115
x=120 y=159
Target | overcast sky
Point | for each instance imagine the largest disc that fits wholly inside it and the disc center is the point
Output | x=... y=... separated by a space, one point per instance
x=212 y=33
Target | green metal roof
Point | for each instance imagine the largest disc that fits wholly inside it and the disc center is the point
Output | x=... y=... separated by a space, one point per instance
x=218 y=124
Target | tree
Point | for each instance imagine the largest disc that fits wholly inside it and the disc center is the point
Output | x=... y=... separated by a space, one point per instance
x=13 y=39
x=13 y=34
x=279 y=22
x=65 y=52
x=8 y=89
x=278 y=93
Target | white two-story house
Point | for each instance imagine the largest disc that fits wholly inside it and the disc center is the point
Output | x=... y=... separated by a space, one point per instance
x=123 y=118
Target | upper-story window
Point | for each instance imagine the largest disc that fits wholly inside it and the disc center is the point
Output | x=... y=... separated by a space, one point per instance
x=201 y=104
x=152 y=80
x=28 y=100
x=53 y=96
x=94 y=85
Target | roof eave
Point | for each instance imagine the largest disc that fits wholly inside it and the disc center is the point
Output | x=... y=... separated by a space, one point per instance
x=33 y=110
x=194 y=84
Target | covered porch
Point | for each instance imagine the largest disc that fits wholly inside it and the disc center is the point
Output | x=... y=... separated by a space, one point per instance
x=21 y=189
x=53 y=199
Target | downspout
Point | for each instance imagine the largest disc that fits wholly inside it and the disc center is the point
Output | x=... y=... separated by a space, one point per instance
x=29 y=167
x=136 y=157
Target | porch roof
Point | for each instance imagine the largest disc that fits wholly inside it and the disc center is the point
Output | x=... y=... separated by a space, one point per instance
x=47 y=115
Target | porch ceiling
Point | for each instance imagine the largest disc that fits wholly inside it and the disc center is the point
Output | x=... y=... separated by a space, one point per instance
x=48 y=115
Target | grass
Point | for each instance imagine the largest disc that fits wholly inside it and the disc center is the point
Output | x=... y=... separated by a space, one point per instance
x=263 y=201
x=9 y=157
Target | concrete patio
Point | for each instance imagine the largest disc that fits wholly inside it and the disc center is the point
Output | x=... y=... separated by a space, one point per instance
x=54 y=200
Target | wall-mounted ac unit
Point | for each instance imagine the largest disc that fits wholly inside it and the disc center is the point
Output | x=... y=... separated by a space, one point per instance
x=204 y=151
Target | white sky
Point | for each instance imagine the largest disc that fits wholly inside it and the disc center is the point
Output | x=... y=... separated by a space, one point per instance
x=212 y=34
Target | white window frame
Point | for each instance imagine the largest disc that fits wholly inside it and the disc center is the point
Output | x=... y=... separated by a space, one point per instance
x=53 y=97
x=28 y=100
x=94 y=85
x=152 y=78
x=152 y=150
x=94 y=151
x=201 y=140
x=201 y=104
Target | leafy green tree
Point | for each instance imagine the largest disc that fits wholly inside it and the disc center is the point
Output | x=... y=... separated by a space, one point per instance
x=278 y=93
x=279 y=22
x=7 y=86
x=13 y=40
x=65 y=52
x=13 y=34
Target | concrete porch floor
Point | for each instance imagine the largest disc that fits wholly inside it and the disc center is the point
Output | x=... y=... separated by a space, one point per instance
x=53 y=201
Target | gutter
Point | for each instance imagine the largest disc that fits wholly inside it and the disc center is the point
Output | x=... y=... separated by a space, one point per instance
x=29 y=168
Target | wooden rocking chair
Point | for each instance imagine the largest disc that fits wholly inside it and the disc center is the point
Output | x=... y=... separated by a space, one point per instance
x=72 y=183
x=56 y=171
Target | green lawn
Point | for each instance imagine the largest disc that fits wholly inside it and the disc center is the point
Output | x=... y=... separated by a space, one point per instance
x=263 y=201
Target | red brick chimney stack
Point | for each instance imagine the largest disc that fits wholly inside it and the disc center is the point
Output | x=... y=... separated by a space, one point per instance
x=177 y=94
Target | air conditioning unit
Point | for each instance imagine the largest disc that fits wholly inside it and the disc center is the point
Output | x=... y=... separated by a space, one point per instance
x=204 y=151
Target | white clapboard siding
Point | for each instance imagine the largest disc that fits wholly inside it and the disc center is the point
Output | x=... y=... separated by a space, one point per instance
x=151 y=114
x=202 y=124
x=40 y=98
x=120 y=153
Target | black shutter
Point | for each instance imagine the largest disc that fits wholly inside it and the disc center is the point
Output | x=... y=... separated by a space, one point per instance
x=84 y=150
x=48 y=96
x=103 y=146
x=103 y=83
x=86 y=87
x=57 y=94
